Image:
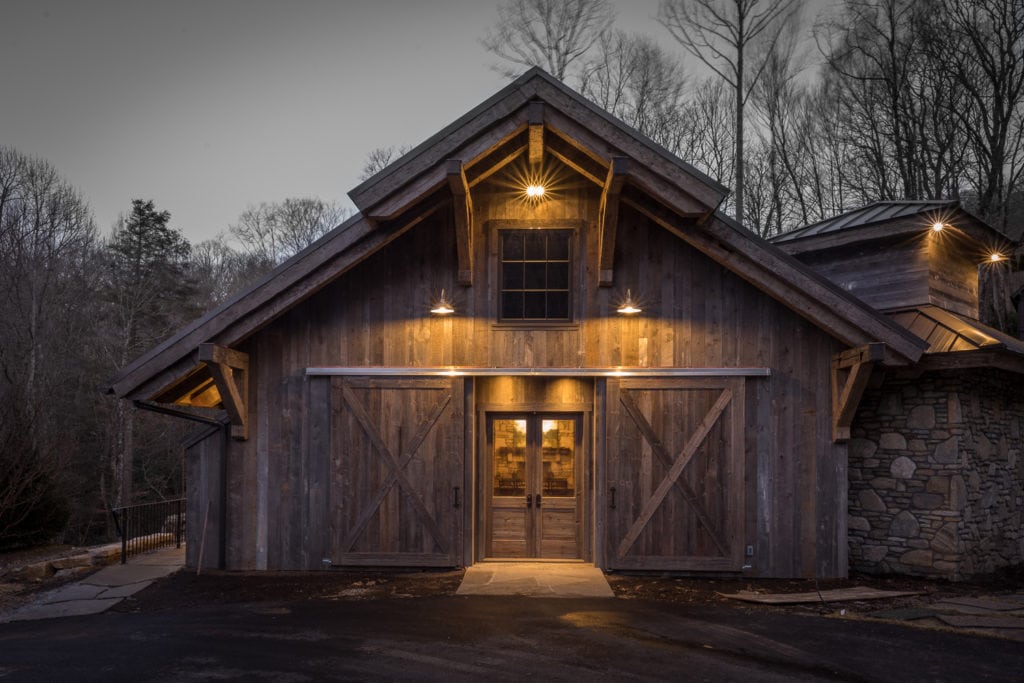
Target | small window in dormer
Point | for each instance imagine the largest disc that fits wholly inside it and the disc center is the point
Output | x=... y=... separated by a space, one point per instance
x=535 y=267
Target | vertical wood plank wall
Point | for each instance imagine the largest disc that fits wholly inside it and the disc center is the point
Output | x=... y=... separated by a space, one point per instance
x=696 y=314
x=205 y=503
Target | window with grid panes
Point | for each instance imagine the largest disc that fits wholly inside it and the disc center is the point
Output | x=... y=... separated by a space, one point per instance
x=535 y=272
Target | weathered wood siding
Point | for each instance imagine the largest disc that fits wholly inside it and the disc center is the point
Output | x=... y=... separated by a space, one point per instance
x=928 y=268
x=205 y=503
x=675 y=467
x=888 y=276
x=696 y=314
x=396 y=471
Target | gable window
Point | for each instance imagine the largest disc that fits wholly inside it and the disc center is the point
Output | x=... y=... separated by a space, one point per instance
x=535 y=267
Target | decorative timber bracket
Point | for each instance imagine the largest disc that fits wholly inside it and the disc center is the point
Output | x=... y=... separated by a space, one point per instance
x=463 y=206
x=230 y=371
x=608 y=218
x=851 y=371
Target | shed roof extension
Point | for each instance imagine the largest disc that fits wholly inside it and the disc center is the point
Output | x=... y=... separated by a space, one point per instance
x=440 y=174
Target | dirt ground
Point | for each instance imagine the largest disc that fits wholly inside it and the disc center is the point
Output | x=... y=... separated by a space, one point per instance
x=16 y=589
x=185 y=588
x=220 y=587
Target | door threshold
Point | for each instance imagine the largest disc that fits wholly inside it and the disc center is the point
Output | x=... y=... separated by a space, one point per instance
x=547 y=560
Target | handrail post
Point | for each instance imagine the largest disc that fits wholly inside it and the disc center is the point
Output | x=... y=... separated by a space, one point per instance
x=177 y=530
x=124 y=535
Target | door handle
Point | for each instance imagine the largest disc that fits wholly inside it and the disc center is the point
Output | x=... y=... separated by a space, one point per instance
x=455 y=492
x=611 y=503
x=529 y=500
x=538 y=500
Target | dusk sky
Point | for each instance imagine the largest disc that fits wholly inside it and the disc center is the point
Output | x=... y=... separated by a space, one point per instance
x=207 y=107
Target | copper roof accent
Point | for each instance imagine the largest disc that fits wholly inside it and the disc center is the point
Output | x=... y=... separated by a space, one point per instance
x=945 y=331
x=878 y=212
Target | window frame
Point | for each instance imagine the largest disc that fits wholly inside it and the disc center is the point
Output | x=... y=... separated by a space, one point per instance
x=574 y=228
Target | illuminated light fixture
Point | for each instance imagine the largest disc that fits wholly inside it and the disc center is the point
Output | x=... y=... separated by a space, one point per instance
x=629 y=306
x=534 y=191
x=995 y=257
x=937 y=226
x=443 y=306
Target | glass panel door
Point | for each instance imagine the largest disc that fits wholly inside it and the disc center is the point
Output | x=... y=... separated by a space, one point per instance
x=532 y=506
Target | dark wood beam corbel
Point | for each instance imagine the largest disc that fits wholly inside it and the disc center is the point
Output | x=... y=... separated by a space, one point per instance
x=462 y=204
x=851 y=371
x=535 y=120
x=230 y=371
x=608 y=218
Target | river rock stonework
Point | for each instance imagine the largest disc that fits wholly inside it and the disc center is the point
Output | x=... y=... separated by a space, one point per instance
x=936 y=471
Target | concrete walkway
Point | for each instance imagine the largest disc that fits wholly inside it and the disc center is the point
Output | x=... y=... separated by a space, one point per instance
x=102 y=590
x=536 y=579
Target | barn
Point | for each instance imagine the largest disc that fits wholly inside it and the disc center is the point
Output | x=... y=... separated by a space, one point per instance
x=538 y=338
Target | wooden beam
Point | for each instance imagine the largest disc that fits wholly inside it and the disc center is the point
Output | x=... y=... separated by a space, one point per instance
x=535 y=119
x=230 y=370
x=462 y=203
x=608 y=219
x=851 y=371
x=982 y=358
x=498 y=157
x=576 y=159
x=866 y=353
x=607 y=141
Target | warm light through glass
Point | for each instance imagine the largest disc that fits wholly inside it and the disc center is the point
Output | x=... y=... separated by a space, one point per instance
x=535 y=191
x=995 y=257
x=937 y=226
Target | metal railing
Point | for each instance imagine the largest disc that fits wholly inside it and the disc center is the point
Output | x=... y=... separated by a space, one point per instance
x=149 y=526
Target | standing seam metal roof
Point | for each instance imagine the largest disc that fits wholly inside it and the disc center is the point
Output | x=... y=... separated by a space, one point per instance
x=872 y=213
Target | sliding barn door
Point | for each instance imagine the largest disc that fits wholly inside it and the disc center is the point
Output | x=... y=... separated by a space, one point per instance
x=397 y=495
x=675 y=463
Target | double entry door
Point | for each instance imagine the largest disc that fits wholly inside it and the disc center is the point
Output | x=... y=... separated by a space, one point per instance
x=534 y=462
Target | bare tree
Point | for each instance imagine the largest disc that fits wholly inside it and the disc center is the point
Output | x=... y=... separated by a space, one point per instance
x=633 y=78
x=275 y=231
x=221 y=271
x=981 y=44
x=728 y=36
x=705 y=136
x=900 y=105
x=380 y=158
x=47 y=240
x=551 y=34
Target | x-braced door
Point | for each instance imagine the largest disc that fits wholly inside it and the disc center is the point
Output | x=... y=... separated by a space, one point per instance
x=398 y=472
x=675 y=463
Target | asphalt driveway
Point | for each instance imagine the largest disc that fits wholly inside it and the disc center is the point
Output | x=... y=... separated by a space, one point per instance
x=492 y=638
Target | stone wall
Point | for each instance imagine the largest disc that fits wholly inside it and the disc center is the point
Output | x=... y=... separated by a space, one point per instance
x=937 y=475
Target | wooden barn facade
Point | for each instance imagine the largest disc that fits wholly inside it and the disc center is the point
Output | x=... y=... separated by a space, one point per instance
x=610 y=371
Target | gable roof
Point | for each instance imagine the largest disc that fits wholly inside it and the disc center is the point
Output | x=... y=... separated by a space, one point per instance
x=667 y=190
x=886 y=219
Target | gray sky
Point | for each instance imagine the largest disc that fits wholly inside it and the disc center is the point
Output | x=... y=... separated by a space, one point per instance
x=207 y=107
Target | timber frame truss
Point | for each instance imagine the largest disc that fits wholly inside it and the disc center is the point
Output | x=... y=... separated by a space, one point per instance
x=230 y=371
x=851 y=371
